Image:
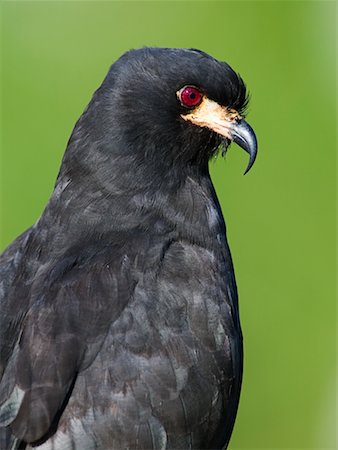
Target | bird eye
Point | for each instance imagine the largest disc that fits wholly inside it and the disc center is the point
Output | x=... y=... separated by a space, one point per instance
x=190 y=96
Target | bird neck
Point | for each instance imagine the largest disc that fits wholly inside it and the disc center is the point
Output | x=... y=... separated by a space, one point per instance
x=132 y=198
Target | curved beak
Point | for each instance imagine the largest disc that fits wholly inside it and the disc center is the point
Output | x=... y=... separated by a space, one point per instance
x=227 y=123
x=245 y=137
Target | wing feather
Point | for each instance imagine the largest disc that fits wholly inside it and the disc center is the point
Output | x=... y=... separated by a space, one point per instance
x=60 y=335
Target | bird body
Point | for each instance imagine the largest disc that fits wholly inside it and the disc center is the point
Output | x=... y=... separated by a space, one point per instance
x=119 y=324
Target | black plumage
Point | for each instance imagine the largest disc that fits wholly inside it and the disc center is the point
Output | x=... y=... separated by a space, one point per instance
x=119 y=325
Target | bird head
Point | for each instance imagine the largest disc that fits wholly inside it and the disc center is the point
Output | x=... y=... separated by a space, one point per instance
x=164 y=108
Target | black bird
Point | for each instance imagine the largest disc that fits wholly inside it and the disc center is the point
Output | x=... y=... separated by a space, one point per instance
x=119 y=323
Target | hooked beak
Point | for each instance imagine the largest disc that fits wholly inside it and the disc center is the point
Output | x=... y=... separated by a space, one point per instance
x=245 y=137
x=227 y=123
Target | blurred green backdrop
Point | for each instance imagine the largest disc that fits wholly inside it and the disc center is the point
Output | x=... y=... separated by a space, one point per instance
x=280 y=217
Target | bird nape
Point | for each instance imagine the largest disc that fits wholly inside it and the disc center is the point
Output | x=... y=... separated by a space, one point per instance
x=119 y=323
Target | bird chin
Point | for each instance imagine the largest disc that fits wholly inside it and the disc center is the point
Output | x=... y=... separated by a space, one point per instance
x=224 y=146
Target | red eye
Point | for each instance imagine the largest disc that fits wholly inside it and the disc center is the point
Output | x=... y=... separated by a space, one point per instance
x=190 y=96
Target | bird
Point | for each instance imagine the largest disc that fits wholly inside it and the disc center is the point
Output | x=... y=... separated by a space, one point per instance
x=119 y=319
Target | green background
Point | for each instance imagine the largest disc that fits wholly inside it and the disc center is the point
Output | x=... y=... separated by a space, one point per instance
x=280 y=217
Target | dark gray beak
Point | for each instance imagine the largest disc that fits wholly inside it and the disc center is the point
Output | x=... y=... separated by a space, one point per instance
x=245 y=137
